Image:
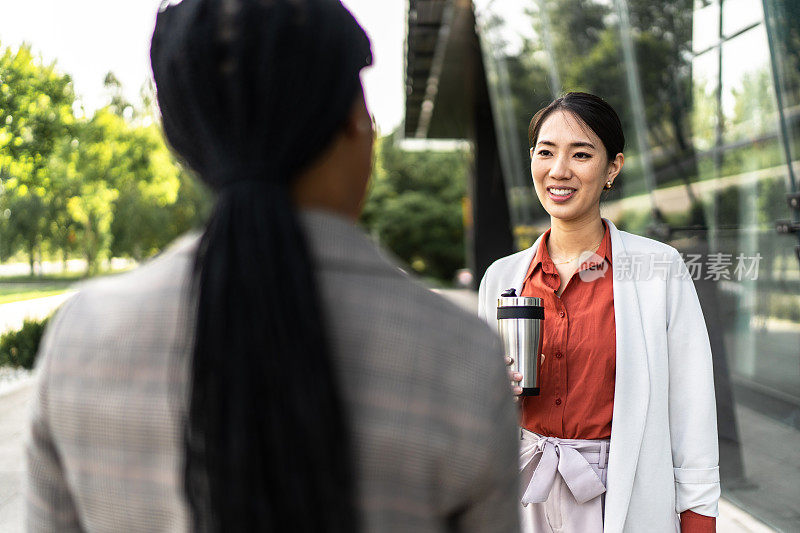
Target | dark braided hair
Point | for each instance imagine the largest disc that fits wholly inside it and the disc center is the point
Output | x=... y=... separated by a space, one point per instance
x=252 y=92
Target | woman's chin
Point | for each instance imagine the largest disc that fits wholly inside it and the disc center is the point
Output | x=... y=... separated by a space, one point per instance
x=558 y=210
x=564 y=212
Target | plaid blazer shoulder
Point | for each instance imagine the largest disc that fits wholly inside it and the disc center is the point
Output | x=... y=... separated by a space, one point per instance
x=423 y=381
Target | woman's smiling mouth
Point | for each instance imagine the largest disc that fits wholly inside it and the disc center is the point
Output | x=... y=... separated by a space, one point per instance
x=560 y=194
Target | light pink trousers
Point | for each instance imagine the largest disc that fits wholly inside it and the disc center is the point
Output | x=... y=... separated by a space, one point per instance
x=563 y=484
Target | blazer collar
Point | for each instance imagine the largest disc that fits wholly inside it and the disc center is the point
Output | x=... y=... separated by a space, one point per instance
x=336 y=243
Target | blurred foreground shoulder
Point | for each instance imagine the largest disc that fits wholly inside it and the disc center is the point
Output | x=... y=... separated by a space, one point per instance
x=106 y=396
x=150 y=296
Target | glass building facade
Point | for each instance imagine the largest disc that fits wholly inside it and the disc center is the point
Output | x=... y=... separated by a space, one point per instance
x=709 y=95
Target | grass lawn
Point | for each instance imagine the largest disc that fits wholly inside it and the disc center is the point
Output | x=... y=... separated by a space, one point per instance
x=19 y=288
x=17 y=291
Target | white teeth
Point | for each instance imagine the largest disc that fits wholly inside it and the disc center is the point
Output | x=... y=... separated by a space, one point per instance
x=561 y=192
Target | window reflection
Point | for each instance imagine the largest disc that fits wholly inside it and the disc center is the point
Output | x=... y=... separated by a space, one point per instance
x=705 y=112
x=706 y=22
x=748 y=97
x=740 y=14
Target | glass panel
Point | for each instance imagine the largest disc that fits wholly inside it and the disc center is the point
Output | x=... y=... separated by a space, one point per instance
x=706 y=170
x=706 y=26
x=784 y=24
x=739 y=14
x=743 y=192
x=748 y=94
x=705 y=111
x=507 y=31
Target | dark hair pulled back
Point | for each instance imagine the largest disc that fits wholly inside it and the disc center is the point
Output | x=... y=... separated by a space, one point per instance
x=251 y=92
x=592 y=111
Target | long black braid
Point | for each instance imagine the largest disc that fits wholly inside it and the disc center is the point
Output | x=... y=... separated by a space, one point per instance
x=251 y=92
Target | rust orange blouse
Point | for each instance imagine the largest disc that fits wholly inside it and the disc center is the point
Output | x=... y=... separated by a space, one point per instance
x=576 y=398
x=577 y=377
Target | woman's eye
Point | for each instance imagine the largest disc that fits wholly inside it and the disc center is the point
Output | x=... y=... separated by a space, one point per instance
x=544 y=152
x=583 y=155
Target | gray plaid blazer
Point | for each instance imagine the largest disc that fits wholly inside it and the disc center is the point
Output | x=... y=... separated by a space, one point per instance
x=424 y=384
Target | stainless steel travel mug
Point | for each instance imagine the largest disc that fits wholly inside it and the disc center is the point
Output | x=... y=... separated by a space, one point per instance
x=519 y=322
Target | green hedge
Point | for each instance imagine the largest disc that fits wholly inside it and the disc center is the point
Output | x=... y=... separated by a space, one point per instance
x=18 y=348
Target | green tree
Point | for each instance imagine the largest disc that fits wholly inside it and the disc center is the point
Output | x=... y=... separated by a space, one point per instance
x=414 y=207
x=99 y=186
x=149 y=184
x=127 y=181
x=64 y=184
x=35 y=115
x=91 y=209
x=118 y=105
x=96 y=163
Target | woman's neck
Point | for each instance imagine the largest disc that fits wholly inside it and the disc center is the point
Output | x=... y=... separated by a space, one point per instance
x=569 y=238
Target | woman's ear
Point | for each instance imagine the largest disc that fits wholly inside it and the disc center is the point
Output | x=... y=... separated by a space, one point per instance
x=359 y=121
x=531 y=152
x=615 y=167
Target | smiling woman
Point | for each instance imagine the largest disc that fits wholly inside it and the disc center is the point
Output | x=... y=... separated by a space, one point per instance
x=571 y=165
x=607 y=358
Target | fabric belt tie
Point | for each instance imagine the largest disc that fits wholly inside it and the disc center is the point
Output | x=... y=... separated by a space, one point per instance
x=541 y=458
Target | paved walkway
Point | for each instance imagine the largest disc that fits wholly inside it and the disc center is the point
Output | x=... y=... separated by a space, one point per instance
x=12 y=315
x=15 y=398
x=14 y=408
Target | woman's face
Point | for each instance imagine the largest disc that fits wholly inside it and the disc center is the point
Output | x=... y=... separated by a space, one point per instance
x=569 y=166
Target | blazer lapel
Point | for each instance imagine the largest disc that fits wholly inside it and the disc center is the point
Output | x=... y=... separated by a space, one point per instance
x=521 y=269
x=631 y=391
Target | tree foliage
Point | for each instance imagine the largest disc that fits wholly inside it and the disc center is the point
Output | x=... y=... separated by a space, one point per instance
x=35 y=113
x=96 y=186
x=414 y=207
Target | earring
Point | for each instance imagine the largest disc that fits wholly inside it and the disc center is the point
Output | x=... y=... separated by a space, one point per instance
x=608 y=185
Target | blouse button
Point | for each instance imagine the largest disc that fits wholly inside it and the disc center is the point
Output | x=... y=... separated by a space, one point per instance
x=559 y=355
x=561 y=314
x=558 y=401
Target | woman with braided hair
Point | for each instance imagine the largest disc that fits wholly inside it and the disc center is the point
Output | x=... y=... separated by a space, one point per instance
x=235 y=107
x=278 y=372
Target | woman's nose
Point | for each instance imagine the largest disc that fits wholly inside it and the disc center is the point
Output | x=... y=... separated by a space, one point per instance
x=560 y=168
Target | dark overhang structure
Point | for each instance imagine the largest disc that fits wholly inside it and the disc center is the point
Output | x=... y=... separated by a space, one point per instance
x=441 y=47
x=447 y=98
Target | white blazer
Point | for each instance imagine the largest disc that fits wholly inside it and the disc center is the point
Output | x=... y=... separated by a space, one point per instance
x=664 y=454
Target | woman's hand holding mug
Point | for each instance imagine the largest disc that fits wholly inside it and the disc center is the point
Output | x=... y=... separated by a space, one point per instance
x=516 y=377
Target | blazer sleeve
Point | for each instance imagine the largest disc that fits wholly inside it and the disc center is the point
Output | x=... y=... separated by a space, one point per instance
x=48 y=503
x=485 y=312
x=494 y=492
x=482 y=297
x=692 y=404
